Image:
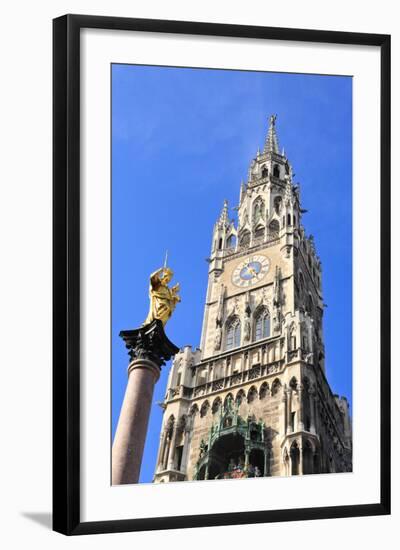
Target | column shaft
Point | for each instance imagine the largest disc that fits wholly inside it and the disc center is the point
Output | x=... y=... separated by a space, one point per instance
x=131 y=431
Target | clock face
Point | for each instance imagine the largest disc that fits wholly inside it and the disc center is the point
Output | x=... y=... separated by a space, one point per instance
x=250 y=271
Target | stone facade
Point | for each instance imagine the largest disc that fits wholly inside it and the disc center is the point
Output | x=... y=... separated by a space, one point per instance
x=254 y=400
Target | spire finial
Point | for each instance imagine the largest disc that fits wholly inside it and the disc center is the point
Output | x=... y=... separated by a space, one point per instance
x=224 y=213
x=271 y=143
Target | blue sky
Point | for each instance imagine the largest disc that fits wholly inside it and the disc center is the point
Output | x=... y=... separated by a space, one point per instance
x=182 y=140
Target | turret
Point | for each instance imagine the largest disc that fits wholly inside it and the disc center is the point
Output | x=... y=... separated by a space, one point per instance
x=223 y=240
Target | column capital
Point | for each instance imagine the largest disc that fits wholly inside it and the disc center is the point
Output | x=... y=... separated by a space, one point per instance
x=149 y=343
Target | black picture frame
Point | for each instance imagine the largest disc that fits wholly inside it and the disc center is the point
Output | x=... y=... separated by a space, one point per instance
x=66 y=273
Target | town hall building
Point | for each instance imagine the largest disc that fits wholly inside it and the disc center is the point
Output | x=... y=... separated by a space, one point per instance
x=254 y=400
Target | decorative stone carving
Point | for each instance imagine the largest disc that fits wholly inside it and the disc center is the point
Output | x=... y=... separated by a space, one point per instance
x=149 y=342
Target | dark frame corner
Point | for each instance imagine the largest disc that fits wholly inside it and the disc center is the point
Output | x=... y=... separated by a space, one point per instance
x=66 y=270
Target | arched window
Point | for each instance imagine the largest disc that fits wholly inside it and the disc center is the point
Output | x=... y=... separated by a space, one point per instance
x=244 y=238
x=220 y=244
x=179 y=379
x=277 y=172
x=294 y=219
x=262 y=325
x=259 y=232
x=264 y=172
x=233 y=334
x=294 y=458
x=264 y=390
x=292 y=339
x=231 y=241
x=276 y=386
x=274 y=229
x=277 y=204
x=308 y=462
x=216 y=405
x=258 y=210
x=169 y=427
x=228 y=398
x=239 y=397
x=204 y=409
x=251 y=396
x=289 y=221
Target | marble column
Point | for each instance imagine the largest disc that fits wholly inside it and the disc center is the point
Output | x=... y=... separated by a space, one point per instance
x=131 y=431
x=148 y=348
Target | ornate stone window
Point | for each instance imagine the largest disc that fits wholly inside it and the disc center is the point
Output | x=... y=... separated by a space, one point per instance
x=262 y=325
x=274 y=229
x=233 y=334
x=294 y=458
x=204 y=409
x=276 y=171
x=216 y=405
x=278 y=204
x=231 y=241
x=244 y=238
x=264 y=390
x=258 y=209
x=252 y=395
x=264 y=171
x=276 y=387
x=259 y=232
x=228 y=398
x=239 y=397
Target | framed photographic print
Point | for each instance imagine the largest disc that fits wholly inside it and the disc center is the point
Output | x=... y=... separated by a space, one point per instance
x=221 y=274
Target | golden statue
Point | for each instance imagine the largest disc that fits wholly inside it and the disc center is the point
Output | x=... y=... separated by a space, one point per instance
x=163 y=299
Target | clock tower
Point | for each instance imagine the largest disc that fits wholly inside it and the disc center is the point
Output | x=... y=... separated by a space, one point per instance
x=254 y=399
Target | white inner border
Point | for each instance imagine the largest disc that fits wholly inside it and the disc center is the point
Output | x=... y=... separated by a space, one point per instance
x=100 y=501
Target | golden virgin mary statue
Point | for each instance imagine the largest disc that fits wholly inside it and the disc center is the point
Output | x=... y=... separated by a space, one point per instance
x=163 y=299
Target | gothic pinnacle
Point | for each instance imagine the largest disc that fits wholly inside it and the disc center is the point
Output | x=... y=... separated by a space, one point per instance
x=223 y=218
x=271 y=143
